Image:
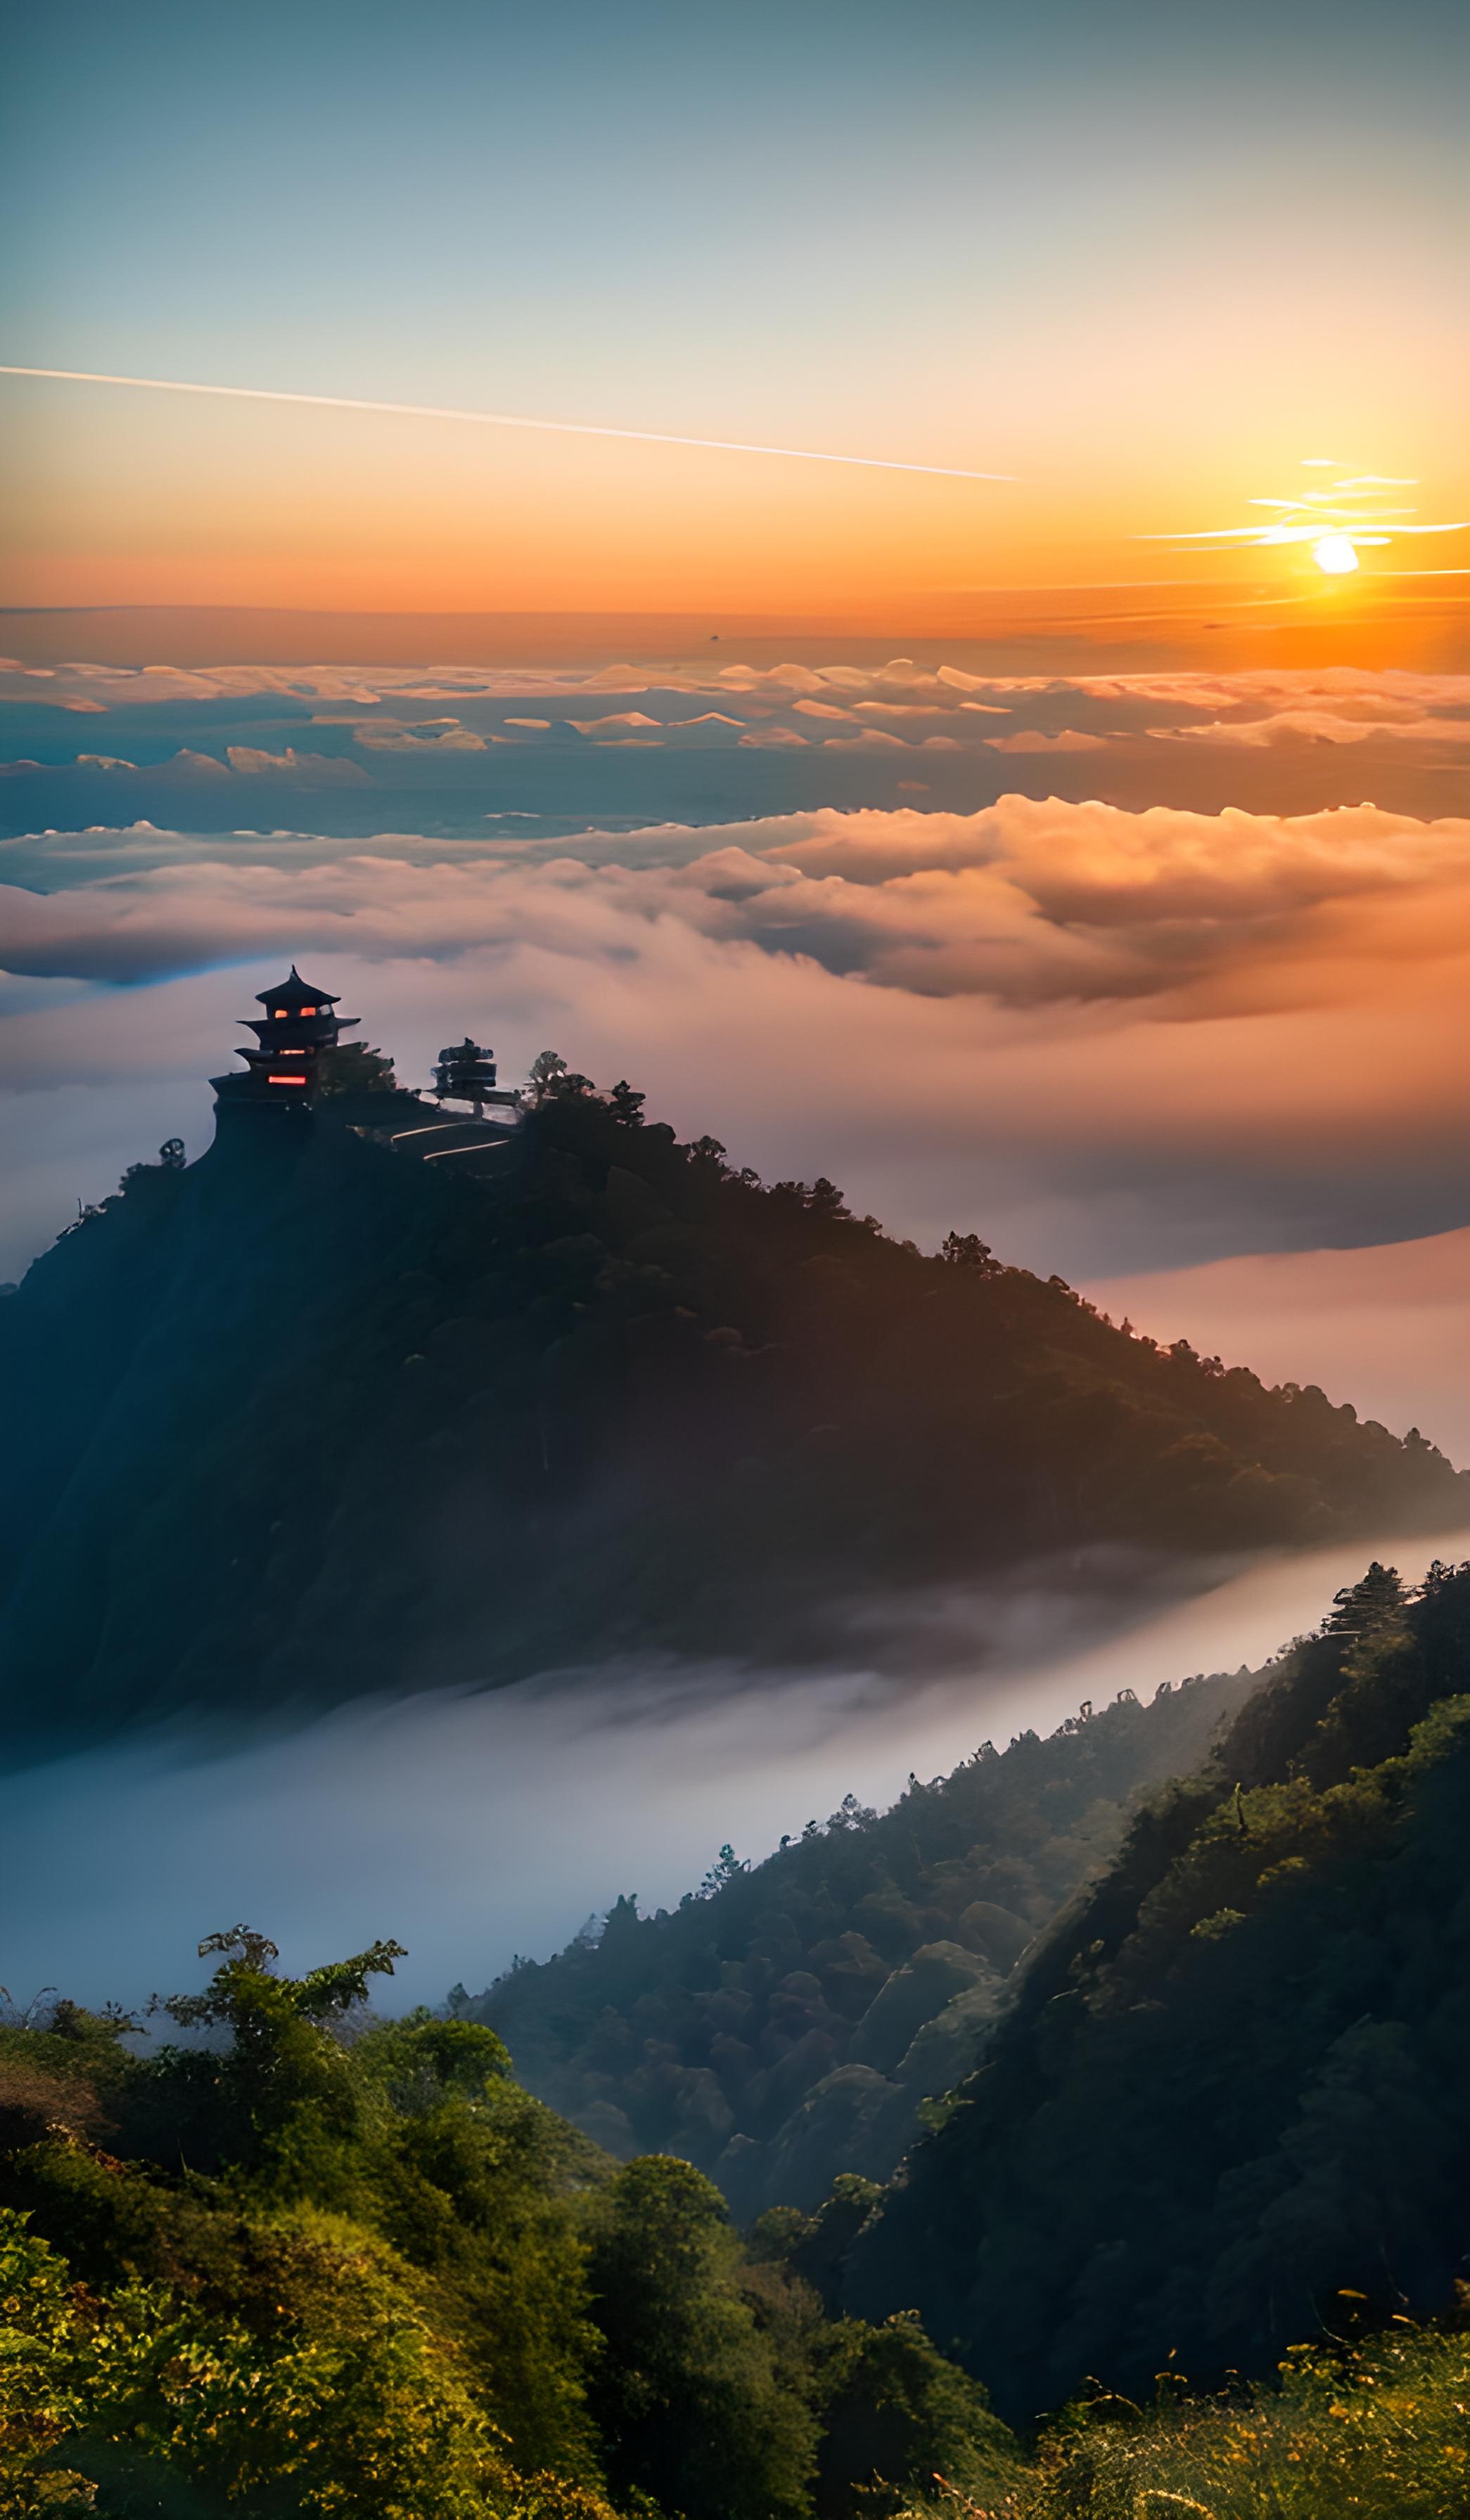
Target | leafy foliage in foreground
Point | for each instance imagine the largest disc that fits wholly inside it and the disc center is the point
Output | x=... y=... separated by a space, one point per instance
x=789 y=2023
x=322 y=2264
x=292 y=2274
x=1234 y=2079
x=616 y=1394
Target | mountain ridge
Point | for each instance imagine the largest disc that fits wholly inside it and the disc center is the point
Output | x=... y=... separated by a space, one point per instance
x=304 y=1427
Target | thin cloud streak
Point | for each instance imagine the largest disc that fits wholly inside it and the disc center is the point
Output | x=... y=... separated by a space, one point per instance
x=500 y=419
x=1339 y=513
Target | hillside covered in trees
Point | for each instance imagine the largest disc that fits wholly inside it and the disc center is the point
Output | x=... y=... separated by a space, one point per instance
x=306 y=1422
x=787 y=2024
x=1233 y=2081
x=288 y=2273
x=293 y=2260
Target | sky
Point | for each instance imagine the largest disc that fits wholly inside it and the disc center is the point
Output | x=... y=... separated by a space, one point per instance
x=1145 y=260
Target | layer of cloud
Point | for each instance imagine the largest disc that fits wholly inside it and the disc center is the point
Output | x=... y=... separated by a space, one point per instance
x=1027 y=903
x=1100 y=1038
x=704 y=741
x=477 y=1826
x=313 y=767
x=911 y=699
x=439 y=735
x=1104 y=1037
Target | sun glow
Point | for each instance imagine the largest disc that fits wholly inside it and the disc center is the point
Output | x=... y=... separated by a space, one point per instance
x=1350 y=509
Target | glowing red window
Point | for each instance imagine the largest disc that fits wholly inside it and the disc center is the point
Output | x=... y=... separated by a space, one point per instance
x=285 y=1080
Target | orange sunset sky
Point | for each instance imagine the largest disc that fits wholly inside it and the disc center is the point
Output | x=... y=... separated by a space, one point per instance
x=1095 y=252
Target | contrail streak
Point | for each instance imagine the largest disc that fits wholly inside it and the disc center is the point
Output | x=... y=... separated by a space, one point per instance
x=503 y=420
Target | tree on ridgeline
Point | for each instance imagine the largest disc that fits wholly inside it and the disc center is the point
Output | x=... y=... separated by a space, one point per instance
x=546 y=1066
x=354 y=1068
x=1377 y=1600
x=967 y=1252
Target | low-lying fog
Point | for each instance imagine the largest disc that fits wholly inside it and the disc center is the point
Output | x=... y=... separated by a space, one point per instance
x=472 y=1827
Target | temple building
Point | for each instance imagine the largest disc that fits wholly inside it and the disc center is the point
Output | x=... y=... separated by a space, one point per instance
x=289 y=1072
x=298 y=1026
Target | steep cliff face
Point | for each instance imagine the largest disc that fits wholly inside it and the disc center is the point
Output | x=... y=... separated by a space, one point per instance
x=311 y=1418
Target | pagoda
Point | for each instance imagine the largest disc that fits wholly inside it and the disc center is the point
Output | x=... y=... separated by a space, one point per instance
x=298 y=1025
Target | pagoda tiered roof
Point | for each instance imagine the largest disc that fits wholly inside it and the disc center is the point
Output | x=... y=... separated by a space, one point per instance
x=301 y=1023
x=298 y=993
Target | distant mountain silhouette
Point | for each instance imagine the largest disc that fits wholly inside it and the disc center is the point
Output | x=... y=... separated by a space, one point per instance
x=311 y=1417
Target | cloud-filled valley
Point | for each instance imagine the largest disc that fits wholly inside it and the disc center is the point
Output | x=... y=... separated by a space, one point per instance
x=478 y=1825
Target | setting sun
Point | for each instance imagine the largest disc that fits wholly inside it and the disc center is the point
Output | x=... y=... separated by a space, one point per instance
x=1335 y=553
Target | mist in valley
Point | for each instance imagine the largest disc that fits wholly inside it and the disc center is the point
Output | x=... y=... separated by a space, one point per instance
x=474 y=1826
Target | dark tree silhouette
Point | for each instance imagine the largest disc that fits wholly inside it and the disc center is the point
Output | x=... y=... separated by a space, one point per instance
x=967 y=1252
x=354 y=1068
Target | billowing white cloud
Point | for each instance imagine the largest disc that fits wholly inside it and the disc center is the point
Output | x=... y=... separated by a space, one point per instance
x=1097 y=1035
x=1257 y=1019
x=1026 y=902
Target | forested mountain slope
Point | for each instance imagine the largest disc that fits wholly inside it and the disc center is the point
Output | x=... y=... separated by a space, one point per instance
x=787 y=2023
x=326 y=2266
x=325 y=2261
x=329 y=2265
x=1237 y=2078
x=300 y=1425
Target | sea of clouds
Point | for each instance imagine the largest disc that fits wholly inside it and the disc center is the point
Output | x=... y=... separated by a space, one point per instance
x=558 y=748
x=1122 y=1038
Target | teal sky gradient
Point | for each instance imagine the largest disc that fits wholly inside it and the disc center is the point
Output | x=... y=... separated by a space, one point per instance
x=732 y=220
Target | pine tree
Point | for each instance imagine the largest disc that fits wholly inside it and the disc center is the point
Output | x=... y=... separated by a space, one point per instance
x=1363 y=1608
